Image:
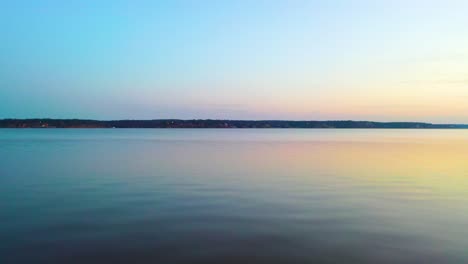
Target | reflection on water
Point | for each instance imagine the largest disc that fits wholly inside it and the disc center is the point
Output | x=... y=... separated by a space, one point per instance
x=233 y=196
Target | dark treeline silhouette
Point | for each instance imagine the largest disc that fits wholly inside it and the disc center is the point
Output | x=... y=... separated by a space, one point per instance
x=209 y=123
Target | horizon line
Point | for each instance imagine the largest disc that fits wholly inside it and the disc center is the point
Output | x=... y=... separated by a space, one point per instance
x=242 y=120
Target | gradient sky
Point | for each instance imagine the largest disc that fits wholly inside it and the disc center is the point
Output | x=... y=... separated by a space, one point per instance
x=367 y=60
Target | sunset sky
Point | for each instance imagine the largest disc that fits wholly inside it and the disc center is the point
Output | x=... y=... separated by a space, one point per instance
x=394 y=60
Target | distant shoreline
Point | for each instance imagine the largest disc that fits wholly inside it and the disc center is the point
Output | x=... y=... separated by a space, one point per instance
x=215 y=123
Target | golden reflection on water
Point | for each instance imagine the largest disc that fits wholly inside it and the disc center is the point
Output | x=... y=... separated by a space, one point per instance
x=413 y=187
x=439 y=167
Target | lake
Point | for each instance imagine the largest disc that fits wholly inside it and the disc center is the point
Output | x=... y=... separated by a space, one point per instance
x=233 y=196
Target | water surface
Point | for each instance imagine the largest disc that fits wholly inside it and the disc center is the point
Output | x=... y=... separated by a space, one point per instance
x=233 y=196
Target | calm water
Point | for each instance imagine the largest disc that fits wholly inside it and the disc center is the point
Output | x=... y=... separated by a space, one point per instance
x=233 y=196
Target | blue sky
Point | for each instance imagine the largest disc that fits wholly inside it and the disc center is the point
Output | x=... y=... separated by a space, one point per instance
x=373 y=60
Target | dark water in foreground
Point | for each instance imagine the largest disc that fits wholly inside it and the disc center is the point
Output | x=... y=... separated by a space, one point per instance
x=233 y=196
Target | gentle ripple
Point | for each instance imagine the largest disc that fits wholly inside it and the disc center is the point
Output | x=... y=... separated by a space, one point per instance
x=233 y=196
